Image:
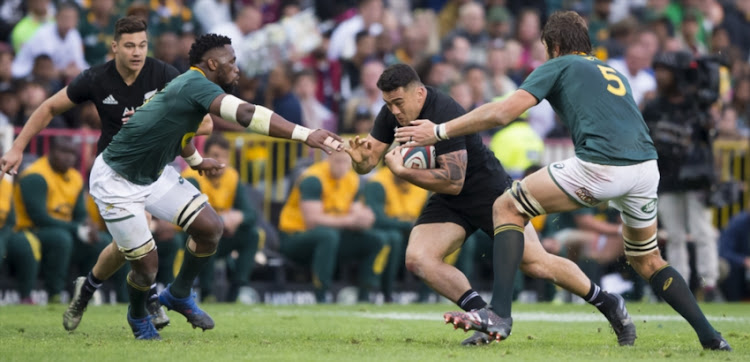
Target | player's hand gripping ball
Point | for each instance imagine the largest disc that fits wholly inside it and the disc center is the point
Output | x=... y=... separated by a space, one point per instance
x=421 y=157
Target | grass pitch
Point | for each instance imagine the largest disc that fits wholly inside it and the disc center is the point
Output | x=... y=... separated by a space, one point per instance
x=367 y=333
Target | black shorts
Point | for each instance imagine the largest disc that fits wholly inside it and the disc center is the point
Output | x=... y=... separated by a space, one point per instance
x=470 y=212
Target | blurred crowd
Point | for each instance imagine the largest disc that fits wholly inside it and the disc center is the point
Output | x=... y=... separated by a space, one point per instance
x=317 y=63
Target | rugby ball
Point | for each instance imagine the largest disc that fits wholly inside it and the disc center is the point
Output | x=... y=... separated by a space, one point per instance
x=419 y=157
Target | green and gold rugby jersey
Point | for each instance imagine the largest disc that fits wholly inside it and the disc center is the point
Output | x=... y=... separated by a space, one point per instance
x=159 y=129
x=596 y=104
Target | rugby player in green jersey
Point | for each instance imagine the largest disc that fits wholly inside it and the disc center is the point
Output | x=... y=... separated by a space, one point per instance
x=132 y=176
x=615 y=161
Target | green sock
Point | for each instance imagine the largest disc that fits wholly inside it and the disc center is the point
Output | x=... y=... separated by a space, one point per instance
x=506 y=258
x=670 y=286
x=138 y=296
x=191 y=267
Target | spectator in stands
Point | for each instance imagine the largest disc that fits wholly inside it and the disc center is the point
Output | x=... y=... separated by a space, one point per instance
x=20 y=249
x=682 y=134
x=248 y=20
x=499 y=23
x=352 y=67
x=169 y=244
x=635 y=67
x=228 y=197
x=314 y=114
x=461 y=93
x=690 y=32
x=50 y=207
x=6 y=61
x=413 y=46
x=737 y=24
x=437 y=72
x=497 y=66
x=327 y=72
x=168 y=51
x=212 y=13
x=171 y=15
x=369 y=17
x=60 y=40
x=448 y=16
x=31 y=96
x=476 y=77
x=734 y=248
x=528 y=33
x=456 y=51
x=367 y=95
x=323 y=224
x=396 y=204
x=517 y=146
x=719 y=40
x=279 y=96
x=10 y=107
x=741 y=103
x=599 y=23
x=97 y=28
x=471 y=25
x=39 y=14
x=585 y=234
x=118 y=279
x=45 y=74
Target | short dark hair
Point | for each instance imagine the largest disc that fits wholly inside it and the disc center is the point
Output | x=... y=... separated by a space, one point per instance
x=204 y=43
x=568 y=31
x=397 y=76
x=361 y=34
x=129 y=25
x=216 y=140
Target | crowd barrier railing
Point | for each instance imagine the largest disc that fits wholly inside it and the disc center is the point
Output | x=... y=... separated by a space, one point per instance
x=268 y=164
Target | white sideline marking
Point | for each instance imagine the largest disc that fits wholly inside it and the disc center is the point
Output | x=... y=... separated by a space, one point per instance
x=545 y=317
x=525 y=316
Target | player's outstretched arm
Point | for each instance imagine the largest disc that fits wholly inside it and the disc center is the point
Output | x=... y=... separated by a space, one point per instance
x=423 y=132
x=38 y=121
x=262 y=120
x=365 y=153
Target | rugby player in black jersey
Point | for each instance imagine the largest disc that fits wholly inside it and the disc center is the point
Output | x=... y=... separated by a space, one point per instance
x=465 y=184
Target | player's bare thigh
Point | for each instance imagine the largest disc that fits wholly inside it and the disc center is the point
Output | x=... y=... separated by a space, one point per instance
x=538 y=186
x=434 y=241
x=549 y=195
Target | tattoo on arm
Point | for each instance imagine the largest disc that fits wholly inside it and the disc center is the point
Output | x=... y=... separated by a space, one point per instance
x=452 y=167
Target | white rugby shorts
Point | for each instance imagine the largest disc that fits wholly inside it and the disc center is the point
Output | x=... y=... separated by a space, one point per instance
x=629 y=189
x=122 y=203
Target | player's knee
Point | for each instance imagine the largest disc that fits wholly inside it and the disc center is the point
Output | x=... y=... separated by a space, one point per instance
x=142 y=278
x=417 y=263
x=207 y=228
x=646 y=264
x=503 y=205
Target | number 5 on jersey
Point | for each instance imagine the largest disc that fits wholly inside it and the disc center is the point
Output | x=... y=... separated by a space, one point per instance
x=611 y=76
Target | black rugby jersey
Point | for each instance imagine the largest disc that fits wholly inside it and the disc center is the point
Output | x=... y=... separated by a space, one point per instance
x=104 y=86
x=483 y=171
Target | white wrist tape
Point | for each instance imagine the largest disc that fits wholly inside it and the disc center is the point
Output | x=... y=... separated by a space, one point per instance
x=194 y=160
x=261 y=122
x=441 y=132
x=229 y=106
x=301 y=133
